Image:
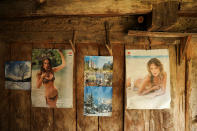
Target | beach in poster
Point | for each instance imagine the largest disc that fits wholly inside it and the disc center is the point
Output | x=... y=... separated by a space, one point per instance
x=55 y=88
x=147 y=79
x=18 y=75
x=98 y=85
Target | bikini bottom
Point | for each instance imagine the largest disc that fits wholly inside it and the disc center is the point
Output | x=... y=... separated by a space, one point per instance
x=54 y=98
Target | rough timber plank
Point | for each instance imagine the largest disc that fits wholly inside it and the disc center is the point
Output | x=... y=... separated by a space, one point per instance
x=187 y=5
x=179 y=99
x=4 y=95
x=159 y=34
x=76 y=7
x=116 y=120
x=20 y=101
x=42 y=118
x=84 y=123
x=160 y=11
x=65 y=119
x=191 y=77
x=188 y=9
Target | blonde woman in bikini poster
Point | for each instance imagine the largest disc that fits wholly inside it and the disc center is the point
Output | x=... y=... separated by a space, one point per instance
x=147 y=79
x=52 y=75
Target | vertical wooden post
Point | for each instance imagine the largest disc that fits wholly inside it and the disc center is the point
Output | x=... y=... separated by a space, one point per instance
x=20 y=104
x=116 y=120
x=84 y=123
x=4 y=95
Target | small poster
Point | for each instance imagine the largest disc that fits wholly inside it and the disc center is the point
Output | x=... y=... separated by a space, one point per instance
x=52 y=78
x=148 y=79
x=98 y=85
x=18 y=75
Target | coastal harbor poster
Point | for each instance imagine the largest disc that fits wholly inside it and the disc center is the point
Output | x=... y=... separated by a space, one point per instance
x=98 y=85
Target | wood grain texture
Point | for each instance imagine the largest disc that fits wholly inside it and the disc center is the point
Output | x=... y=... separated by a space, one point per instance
x=191 y=106
x=84 y=123
x=4 y=93
x=20 y=103
x=116 y=120
x=65 y=119
x=90 y=29
x=179 y=106
x=187 y=5
x=76 y=7
x=160 y=10
x=42 y=118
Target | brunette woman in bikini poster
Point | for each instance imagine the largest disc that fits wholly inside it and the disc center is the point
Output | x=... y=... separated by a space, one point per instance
x=147 y=79
x=49 y=69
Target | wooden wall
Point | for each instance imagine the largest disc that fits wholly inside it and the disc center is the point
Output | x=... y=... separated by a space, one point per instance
x=17 y=113
x=25 y=25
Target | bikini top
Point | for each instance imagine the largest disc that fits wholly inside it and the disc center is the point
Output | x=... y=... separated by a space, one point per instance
x=46 y=79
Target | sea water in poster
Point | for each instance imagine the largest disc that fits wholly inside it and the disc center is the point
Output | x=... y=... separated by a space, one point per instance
x=52 y=78
x=18 y=75
x=148 y=79
x=98 y=85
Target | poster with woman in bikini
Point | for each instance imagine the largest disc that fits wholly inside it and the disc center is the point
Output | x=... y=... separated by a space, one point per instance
x=52 y=78
x=148 y=79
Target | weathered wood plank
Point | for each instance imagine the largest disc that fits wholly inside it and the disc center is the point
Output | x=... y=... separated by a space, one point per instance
x=65 y=119
x=4 y=94
x=188 y=9
x=42 y=118
x=20 y=103
x=135 y=120
x=161 y=9
x=179 y=99
x=84 y=123
x=188 y=5
x=116 y=120
x=189 y=13
x=159 y=34
x=16 y=8
x=77 y=7
x=191 y=89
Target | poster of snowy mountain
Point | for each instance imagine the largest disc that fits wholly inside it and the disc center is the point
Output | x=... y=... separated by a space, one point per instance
x=98 y=85
x=18 y=75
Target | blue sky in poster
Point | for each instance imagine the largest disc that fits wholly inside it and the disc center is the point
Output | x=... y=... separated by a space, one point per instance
x=99 y=92
x=12 y=69
x=99 y=60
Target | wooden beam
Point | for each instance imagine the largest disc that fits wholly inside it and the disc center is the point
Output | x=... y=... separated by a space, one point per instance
x=159 y=34
x=188 y=13
x=185 y=45
x=28 y=8
x=160 y=11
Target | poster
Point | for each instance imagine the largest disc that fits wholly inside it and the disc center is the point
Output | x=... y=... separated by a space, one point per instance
x=98 y=85
x=148 y=79
x=52 y=78
x=18 y=75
